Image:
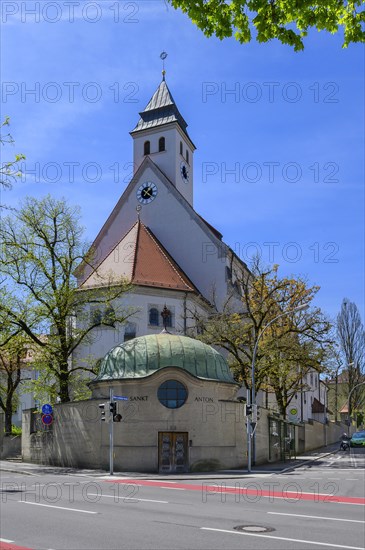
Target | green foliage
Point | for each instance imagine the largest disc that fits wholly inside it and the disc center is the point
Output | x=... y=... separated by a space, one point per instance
x=286 y=20
x=43 y=247
x=10 y=170
x=16 y=430
x=289 y=345
x=14 y=349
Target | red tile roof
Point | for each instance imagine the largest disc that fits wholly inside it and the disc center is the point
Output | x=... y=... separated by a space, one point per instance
x=153 y=265
x=146 y=263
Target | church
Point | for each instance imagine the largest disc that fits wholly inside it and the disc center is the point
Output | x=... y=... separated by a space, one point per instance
x=179 y=392
x=176 y=261
x=179 y=406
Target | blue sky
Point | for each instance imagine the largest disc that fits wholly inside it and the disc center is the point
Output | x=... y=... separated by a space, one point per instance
x=279 y=166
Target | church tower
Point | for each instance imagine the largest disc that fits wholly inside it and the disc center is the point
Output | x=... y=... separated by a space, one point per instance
x=161 y=134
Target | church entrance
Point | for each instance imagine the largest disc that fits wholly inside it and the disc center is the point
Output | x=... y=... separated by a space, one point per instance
x=172 y=452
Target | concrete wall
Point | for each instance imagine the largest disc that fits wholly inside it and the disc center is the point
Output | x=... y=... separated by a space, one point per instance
x=10 y=446
x=319 y=435
x=217 y=432
x=214 y=423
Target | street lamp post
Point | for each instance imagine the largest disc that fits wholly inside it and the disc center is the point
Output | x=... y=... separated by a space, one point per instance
x=251 y=400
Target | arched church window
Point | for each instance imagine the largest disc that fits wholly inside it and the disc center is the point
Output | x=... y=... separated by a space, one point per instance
x=109 y=316
x=172 y=394
x=102 y=315
x=187 y=156
x=147 y=147
x=181 y=148
x=130 y=331
x=154 y=317
x=161 y=144
x=96 y=316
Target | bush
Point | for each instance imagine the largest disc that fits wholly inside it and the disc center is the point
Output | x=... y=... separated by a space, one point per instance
x=16 y=430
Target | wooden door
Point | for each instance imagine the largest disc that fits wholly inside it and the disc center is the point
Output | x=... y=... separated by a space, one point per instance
x=173 y=452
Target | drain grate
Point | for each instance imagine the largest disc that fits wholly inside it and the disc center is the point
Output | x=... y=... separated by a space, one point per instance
x=254 y=528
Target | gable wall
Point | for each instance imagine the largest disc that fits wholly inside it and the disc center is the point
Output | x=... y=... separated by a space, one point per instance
x=198 y=253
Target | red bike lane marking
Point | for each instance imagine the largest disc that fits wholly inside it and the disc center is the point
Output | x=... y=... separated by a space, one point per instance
x=11 y=546
x=210 y=490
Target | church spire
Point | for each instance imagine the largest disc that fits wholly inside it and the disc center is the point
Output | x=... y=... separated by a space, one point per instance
x=161 y=110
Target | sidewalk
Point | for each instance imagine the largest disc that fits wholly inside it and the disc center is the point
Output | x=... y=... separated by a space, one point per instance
x=19 y=467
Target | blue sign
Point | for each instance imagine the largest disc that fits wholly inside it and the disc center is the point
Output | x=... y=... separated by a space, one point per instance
x=47 y=419
x=47 y=409
x=120 y=397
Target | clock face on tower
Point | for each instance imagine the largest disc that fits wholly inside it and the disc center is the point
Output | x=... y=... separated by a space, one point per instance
x=184 y=171
x=146 y=192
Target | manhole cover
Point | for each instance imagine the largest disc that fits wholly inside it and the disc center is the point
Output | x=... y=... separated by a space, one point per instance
x=253 y=528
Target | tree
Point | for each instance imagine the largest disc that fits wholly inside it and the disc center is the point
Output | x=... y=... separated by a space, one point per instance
x=289 y=21
x=351 y=339
x=9 y=171
x=14 y=359
x=42 y=247
x=288 y=348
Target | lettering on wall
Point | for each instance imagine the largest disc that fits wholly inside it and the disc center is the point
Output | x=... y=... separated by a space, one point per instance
x=139 y=398
x=205 y=399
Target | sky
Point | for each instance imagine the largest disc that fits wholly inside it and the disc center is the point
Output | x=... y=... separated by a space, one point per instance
x=279 y=166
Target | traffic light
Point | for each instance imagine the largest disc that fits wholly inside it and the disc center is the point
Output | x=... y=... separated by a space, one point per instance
x=248 y=410
x=104 y=418
x=112 y=408
x=113 y=412
x=254 y=413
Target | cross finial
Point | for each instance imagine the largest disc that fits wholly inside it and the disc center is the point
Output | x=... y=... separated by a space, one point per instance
x=163 y=57
x=139 y=208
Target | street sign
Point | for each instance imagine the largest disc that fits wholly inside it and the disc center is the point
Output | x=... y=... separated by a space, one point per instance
x=47 y=409
x=120 y=397
x=47 y=419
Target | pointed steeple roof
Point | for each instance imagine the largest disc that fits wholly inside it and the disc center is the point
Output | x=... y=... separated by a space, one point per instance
x=160 y=110
x=142 y=259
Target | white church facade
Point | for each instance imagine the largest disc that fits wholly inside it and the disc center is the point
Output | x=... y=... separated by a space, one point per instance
x=156 y=240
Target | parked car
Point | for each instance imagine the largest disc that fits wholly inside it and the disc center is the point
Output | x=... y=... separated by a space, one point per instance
x=358 y=439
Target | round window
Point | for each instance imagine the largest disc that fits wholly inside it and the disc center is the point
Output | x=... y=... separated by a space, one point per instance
x=172 y=394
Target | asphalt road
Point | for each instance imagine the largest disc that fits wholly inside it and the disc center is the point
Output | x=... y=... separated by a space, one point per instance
x=319 y=505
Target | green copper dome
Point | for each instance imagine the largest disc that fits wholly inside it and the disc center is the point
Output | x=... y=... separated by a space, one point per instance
x=145 y=355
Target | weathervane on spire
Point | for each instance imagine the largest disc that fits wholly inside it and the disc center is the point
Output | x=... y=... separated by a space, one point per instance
x=163 y=57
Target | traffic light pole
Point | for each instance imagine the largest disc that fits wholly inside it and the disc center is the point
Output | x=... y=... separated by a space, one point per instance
x=248 y=431
x=111 y=436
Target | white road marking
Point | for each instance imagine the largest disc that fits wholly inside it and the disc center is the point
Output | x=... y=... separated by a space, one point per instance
x=283 y=538
x=58 y=507
x=129 y=498
x=337 y=470
x=6 y=540
x=315 y=517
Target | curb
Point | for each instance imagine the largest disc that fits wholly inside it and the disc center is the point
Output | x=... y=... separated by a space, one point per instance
x=201 y=477
x=303 y=462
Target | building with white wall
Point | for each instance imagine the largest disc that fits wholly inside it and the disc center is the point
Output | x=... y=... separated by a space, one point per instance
x=156 y=240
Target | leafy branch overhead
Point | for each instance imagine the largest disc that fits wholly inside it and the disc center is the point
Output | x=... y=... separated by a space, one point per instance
x=289 y=21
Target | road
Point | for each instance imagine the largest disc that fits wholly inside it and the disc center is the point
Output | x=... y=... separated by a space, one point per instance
x=317 y=506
